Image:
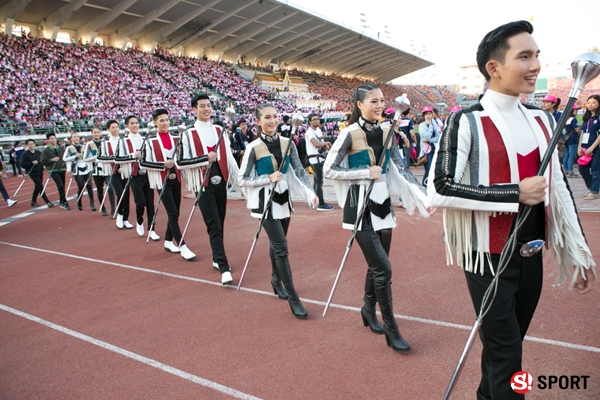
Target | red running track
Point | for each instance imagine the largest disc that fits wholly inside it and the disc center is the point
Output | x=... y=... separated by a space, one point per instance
x=90 y=311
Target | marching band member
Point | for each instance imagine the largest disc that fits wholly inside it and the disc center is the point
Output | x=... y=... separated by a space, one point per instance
x=101 y=174
x=52 y=158
x=31 y=163
x=143 y=194
x=120 y=174
x=80 y=159
x=352 y=161
x=199 y=144
x=259 y=171
x=157 y=157
x=484 y=171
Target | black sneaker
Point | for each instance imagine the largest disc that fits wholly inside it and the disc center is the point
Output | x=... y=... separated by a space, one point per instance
x=65 y=206
x=34 y=204
x=324 y=207
x=93 y=207
x=49 y=204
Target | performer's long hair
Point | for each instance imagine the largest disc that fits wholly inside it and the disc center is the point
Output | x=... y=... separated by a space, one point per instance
x=360 y=94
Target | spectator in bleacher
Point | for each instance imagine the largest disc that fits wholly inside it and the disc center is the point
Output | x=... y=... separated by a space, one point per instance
x=588 y=145
x=571 y=141
x=429 y=138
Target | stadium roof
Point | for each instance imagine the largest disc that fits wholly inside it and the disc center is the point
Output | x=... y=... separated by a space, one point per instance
x=232 y=30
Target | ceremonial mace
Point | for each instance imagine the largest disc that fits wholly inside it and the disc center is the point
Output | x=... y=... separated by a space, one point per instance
x=584 y=68
x=401 y=104
x=265 y=211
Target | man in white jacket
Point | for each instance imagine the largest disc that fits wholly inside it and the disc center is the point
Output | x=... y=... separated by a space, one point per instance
x=484 y=170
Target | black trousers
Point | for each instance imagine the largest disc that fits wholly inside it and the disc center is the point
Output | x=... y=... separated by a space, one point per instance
x=38 y=188
x=82 y=180
x=3 y=191
x=171 y=200
x=119 y=184
x=59 y=178
x=100 y=181
x=143 y=196
x=318 y=181
x=375 y=247
x=278 y=251
x=504 y=326
x=213 y=205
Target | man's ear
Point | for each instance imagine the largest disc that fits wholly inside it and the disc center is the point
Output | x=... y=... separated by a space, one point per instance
x=492 y=68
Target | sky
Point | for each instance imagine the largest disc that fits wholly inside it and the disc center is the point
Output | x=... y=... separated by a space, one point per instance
x=451 y=30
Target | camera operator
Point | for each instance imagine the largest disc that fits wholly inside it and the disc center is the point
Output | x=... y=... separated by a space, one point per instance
x=315 y=149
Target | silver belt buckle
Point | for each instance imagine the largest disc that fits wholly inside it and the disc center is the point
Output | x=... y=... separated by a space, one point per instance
x=530 y=248
x=142 y=171
x=172 y=176
x=215 y=180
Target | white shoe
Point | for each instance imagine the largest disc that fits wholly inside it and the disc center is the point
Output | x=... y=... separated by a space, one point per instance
x=226 y=278
x=186 y=253
x=11 y=202
x=170 y=246
x=216 y=266
x=154 y=236
x=127 y=225
x=139 y=228
x=119 y=221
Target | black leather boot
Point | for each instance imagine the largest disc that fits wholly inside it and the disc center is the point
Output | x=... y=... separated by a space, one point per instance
x=275 y=281
x=285 y=274
x=369 y=316
x=390 y=329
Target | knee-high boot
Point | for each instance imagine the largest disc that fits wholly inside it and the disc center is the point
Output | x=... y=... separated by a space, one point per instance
x=383 y=291
x=275 y=281
x=368 y=313
x=285 y=274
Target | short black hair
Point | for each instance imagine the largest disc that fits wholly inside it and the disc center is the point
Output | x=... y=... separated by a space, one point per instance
x=405 y=112
x=29 y=140
x=198 y=97
x=158 y=112
x=286 y=118
x=110 y=122
x=50 y=134
x=311 y=115
x=495 y=44
x=129 y=118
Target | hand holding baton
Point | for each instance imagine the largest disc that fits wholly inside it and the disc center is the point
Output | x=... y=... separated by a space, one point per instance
x=265 y=211
x=585 y=68
x=401 y=104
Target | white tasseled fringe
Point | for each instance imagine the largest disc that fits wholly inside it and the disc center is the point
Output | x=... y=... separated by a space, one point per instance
x=458 y=230
x=193 y=179
x=568 y=244
x=155 y=179
x=125 y=170
x=411 y=194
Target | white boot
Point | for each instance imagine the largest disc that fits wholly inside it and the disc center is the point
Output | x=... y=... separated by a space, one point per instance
x=186 y=253
x=170 y=246
x=119 y=221
x=11 y=202
x=216 y=266
x=139 y=228
x=127 y=225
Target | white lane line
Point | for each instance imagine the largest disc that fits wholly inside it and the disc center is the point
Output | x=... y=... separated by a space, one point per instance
x=318 y=302
x=134 y=356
